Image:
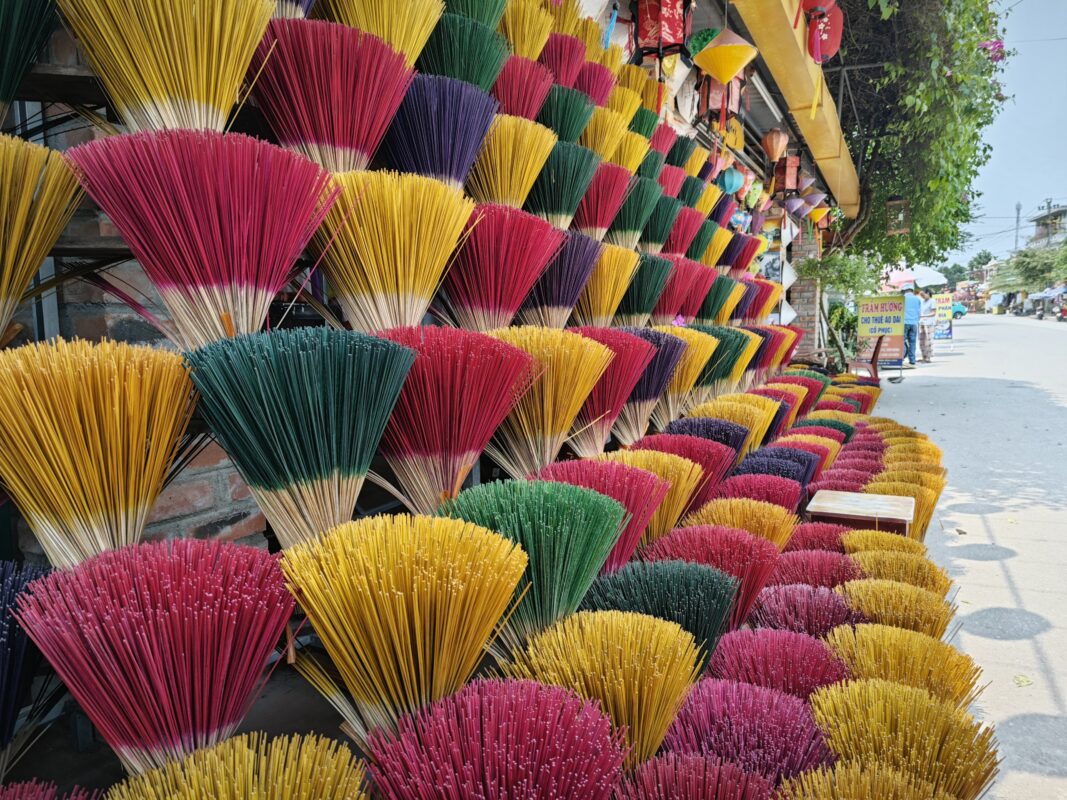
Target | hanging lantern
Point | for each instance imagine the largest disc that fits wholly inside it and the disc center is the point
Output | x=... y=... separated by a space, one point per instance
x=817 y=213
x=785 y=173
x=897 y=216
x=794 y=204
x=712 y=94
x=661 y=27
x=824 y=33
x=805 y=181
x=774 y=143
x=730 y=180
x=723 y=58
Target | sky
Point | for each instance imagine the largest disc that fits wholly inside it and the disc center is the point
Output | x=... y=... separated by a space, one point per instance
x=1029 y=137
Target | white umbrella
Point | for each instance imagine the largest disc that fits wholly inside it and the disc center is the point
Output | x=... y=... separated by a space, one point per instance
x=926 y=276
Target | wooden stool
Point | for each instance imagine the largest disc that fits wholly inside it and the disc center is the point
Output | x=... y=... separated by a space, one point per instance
x=858 y=510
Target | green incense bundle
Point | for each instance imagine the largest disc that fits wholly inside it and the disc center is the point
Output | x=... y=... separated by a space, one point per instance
x=714 y=379
x=659 y=224
x=567 y=112
x=652 y=165
x=562 y=183
x=24 y=28
x=810 y=373
x=701 y=241
x=718 y=295
x=691 y=191
x=464 y=49
x=625 y=230
x=644 y=122
x=644 y=291
x=487 y=12
x=566 y=531
x=300 y=412
x=697 y=597
x=836 y=424
x=681 y=150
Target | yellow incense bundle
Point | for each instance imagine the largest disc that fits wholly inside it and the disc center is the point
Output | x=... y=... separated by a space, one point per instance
x=526 y=25
x=405 y=26
x=765 y=520
x=700 y=347
x=511 y=158
x=683 y=475
x=606 y=286
x=899 y=605
x=604 y=132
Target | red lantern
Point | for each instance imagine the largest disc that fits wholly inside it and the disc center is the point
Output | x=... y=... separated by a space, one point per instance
x=661 y=27
x=824 y=34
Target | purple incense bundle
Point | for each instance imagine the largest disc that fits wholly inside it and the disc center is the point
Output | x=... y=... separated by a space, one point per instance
x=760 y=464
x=720 y=430
x=637 y=410
x=552 y=299
x=809 y=462
x=794 y=663
x=814 y=610
x=725 y=207
x=686 y=776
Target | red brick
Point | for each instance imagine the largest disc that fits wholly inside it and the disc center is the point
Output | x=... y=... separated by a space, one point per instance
x=238 y=488
x=232 y=528
x=183 y=498
x=211 y=456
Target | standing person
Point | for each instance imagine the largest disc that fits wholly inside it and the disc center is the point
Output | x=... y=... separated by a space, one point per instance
x=912 y=314
x=927 y=323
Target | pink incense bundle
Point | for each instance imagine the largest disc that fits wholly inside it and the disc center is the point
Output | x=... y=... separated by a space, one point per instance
x=460 y=387
x=817 y=536
x=663 y=138
x=639 y=491
x=163 y=645
x=327 y=90
x=671 y=179
x=715 y=459
x=817 y=430
x=595 y=82
x=787 y=403
x=853 y=463
x=522 y=87
x=602 y=200
x=686 y=226
x=782 y=492
x=504 y=252
x=835 y=405
x=686 y=776
x=815 y=568
x=682 y=296
x=838 y=473
x=814 y=610
x=861 y=443
x=217 y=221
x=592 y=427
x=828 y=484
x=501 y=739
x=815 y=389
x=794 y=663
x=564 y=57
x=36 y=790
x=748 y=558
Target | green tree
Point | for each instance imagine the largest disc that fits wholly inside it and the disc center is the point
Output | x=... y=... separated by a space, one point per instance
x=955 y=273
x=979 y=260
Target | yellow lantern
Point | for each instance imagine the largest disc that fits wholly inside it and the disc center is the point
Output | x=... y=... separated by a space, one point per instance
x=723 y=58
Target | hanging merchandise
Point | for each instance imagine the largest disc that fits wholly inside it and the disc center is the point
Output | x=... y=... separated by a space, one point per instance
x=825 y=26
x=730 y=180
x=785 y=173
x=661 y=27
x=723 y=58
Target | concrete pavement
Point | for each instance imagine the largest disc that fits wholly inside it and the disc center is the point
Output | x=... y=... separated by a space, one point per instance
x=996 y=402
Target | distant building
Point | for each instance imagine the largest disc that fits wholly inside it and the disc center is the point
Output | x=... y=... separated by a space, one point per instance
x=1050 y=227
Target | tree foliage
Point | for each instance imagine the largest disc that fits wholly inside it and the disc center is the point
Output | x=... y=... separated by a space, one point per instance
x=842 y=271
x=1032 y=270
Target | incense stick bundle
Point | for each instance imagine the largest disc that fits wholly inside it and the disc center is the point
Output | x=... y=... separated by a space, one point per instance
x=38 y=195
x=701 y=241
x=632 y=149
x=766 y=520
x=638 y=667
x=682 y=233
x=439 y=129
x=504 y=253
x=460 y=387
x=592 y=428
x=634 y=214
x=602 y=200
x=568 y=367
x=858 y=779
x=716 y=376
x=718 y=430
x=567 y=112
x=814 y=610
x=715 y=459
x=511 y=158
x=626 y=101
x=637 y=411
x=651 y=166
x=88 y=433
x=794 y=663
x=522 y=87
x=527 y=26
x=671 y=179
x=553 y=297
x=163 y=645
x=604 y=132
x=328 y=91
x=405 y=27
x=644 y=291
x=685 y=290
x=251 y=766
x=682 y=148
x=464 y=49
x=564 y=56
x=487 y=12
x=899 y=605
x=321 y=398
x=27 y=24
x=566 y=15
x=217 y=221
x=698 y=351
x=597 y=82
x=815 y=568
x=166 y=63
x=394 y=237
x=566 y=530
x=604 y=292
x=684 y=476
x=612 y=57
x=562 y=184
x=692 y=777
x=644 y=121
x=449 y=583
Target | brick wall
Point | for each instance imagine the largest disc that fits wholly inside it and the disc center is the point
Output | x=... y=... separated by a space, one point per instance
x=805 y=296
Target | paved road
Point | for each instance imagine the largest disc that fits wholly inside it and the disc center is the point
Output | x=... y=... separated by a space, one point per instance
x=997 y=404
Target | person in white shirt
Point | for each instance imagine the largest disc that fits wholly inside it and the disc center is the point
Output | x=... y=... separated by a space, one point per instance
x=927 y=323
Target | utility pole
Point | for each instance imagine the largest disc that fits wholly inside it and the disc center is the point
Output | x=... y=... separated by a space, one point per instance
x=1018 y=212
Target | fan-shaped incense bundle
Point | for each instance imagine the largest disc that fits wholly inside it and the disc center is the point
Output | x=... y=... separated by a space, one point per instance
x=815 y=430
x=681 y=149
x=166 y=63
x=659 y=224
x=717 y=376
x=501 y=739
x=765 y=520
x=449 y=584
x=627 y=102
x=460 y=387
x=925 y=502
x=814 y=610
x=699 y=349
x=909 y=568
x=644 y=120
x=639 y=491
x=637 y=411
x=815 y=568
x=88 y=433
x=651 y=166
x=847 y=430
x=28 y=24
x=464 y=49
x=684 y=776
x=644 y=291
x=527 y=26
x=217 y=221
x=503 y=254
x=563 y=55
x=719 y=241
x=566 y=112
x=701 y=241
x=510 y=160
x=751 y=419
x=794 y=663
x=718 y=430
x=817 y=536
x=552 y=299
x=250 y=765
x=691 y=191
x=606 y=286
x=861 y=541
x=631 y=152
x=522 y=87
x=328 y=91
x=566 y=15
x=685 y=291
x=900 y=605
x=730 y=550
x=592 y=428
x=908 y=729
x=38 y=195
x=200 y=616
x=597 y=83
x=641 y=201
x=611 y=57
x=848 y=779
x=763 y=731
x=714 y=459
x=321 y=398
x=567 y=531
x=394 y=237
x=562 y=183
x=697 y=597
x=604 y=132
x=681 y=236
x=697 y=160
x=768 y=488
x=684 y=476
x=567 y=367
x=405 y=27
x=439 y=129
x=762 y=463
x=487 y=12
x=638 y=667
x=602 y=200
